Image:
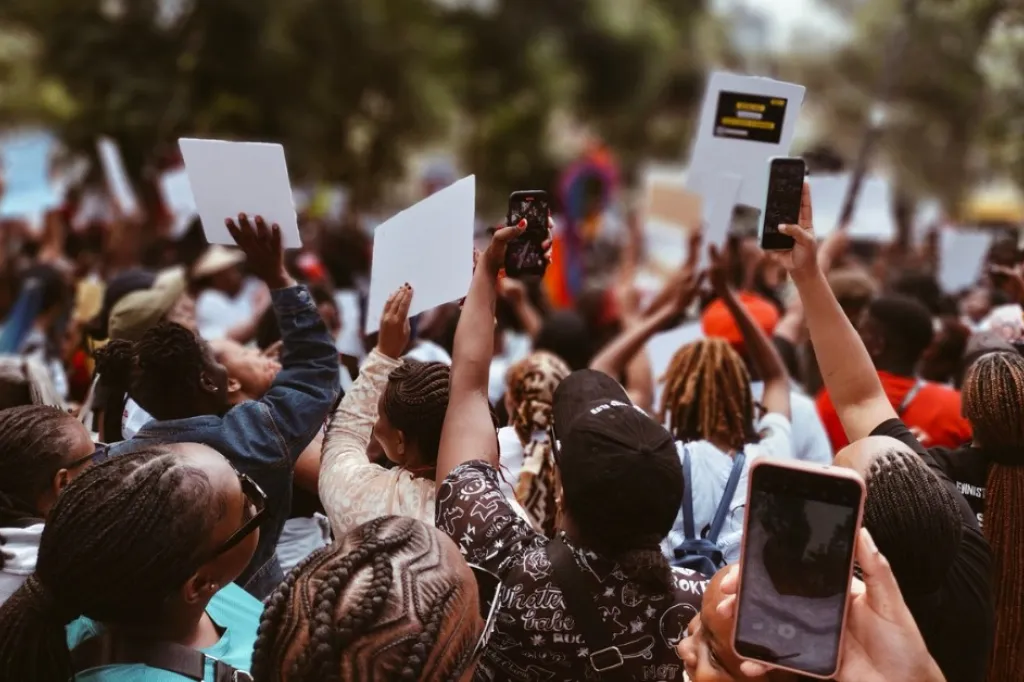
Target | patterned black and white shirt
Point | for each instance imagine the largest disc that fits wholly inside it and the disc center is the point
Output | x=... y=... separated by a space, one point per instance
x=535 y=638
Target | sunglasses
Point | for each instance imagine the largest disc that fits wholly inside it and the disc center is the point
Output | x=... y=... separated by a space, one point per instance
x=99 y=454
x=490 y=589
x=255 y=496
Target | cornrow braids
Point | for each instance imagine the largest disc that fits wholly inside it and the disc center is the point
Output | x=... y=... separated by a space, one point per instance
x=993 y=397
x=707 y=395
x=415 y=402
x=389 y=601
x=33 y=443
x=122 y=536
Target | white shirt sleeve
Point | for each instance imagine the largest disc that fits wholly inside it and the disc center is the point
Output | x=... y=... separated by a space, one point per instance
x=810 y=440
x=777 y=441
x=214 y=314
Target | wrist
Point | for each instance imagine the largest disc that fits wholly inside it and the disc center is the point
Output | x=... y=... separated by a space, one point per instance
x=280 y=280
x=806 y=277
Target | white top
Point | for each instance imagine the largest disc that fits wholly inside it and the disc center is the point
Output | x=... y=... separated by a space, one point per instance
x=428 y=351
x=217 y=313
x=810 y=440
x=20 y=548
x=511 y=460
x=709 y=473
x=133 y=419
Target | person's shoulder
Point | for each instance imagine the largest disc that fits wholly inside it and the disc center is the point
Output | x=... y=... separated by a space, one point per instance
x=967 y=462
x=135 y=672
x=946 y=396
x=233 y=606
x=689 y=582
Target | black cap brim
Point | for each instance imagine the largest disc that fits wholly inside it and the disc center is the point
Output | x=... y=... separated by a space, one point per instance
x=578 y=392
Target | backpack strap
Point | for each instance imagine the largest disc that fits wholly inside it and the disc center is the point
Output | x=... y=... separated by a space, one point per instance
x=688 y=530
x=909 y=398
x=730 y=491
x=605 y=658
x=108 y=649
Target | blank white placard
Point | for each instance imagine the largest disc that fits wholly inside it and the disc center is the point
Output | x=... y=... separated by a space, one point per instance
x=178 y=199
x=662 y=347
x=962 y=255
x=228 y=178
x=720 y=196
x=872 y=220
x=430 y=246
x=117 y=176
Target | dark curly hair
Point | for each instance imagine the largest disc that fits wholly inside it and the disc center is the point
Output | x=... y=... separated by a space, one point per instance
x=415 y=402
x=389 y=601
x=122 y=536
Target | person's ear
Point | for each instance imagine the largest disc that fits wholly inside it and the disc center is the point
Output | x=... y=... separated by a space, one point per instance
x=207 y=383
x=60 y=481
x=234 y=386
x=199 y=589
x=400 y=442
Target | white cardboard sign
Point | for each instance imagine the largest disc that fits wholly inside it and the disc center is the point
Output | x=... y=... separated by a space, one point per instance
x=430 y=246
x=117 y=178
x=228 y=178
x=872 y=218
x=25 y=167
x=178 y=198
x=744 y=121
x=962 y=255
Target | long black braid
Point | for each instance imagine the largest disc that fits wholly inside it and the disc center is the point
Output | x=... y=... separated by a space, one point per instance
x=161 y=371
x=123 y=535
x=34 y=440
x=415 y=402
x=343 y=602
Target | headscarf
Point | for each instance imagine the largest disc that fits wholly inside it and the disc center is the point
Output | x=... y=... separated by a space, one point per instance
x=531 y=389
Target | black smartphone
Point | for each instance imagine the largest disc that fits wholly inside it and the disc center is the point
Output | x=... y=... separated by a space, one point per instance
x=782 y=205
x=525 y=255
x=796 y=565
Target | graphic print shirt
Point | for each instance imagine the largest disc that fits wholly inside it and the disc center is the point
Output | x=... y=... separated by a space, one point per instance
x=535 y=638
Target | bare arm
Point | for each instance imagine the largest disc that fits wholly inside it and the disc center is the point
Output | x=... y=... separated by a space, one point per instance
x=468 y=432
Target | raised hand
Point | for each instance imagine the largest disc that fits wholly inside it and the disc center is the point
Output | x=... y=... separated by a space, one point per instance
x=394 y=324
x=263 y=249
x=802 y=259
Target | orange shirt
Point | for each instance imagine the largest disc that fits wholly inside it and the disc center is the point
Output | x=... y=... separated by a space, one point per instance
x=933 y=415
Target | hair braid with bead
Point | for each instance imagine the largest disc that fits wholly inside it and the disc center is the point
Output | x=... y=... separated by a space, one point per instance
x=415 y=402
x=993 y=401
x=388 y=601
x=122 y=536
x=707 y=395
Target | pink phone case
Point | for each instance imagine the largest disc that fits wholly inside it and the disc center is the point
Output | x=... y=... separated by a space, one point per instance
x=833 y=472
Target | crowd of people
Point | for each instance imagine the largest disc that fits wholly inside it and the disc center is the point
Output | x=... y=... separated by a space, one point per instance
x=207 y=473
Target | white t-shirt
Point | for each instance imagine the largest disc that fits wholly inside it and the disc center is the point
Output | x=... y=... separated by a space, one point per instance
x=511 y=460
x=709 y=473
x=217 y=313
x=428 y=351
x=810 y=440
x=133 y=419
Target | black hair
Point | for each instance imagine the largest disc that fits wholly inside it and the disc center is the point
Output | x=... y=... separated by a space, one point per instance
x=123 y=535
x=906 y=326
x=34 y=440
x=923 y=287
x=161 y=371
x=919 y=535
x=415 y=402
x=566 y=335
x=268 y=332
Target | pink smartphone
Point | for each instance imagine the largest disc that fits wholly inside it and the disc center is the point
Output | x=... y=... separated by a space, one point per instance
x=796 y=565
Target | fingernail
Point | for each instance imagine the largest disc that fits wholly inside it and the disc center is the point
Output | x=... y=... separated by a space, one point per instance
x=227 y=221
x=522 y=224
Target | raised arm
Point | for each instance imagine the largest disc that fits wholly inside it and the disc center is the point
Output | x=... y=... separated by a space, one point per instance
x=468 y=432
x=846 y=367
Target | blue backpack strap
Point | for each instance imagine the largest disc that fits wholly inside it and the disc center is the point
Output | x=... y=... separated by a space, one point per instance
x=730 y=492
x=688 y=532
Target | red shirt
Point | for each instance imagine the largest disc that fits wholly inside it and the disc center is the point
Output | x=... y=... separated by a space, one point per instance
x=933 y=414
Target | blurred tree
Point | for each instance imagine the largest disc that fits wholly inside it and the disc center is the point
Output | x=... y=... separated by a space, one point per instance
x=942 y=101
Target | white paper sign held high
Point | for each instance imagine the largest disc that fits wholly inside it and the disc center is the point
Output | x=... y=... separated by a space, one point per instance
x=430 y=246
x=228 y=178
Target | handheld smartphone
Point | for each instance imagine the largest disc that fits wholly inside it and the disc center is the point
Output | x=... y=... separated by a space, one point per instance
x=525 y=254
x=796 y=565
x=782 y=204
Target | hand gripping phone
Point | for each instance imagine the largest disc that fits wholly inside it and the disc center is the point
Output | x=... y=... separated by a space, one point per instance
x=525 y=254
x=782 y=204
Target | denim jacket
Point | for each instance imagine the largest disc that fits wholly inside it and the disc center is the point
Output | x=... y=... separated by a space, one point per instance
x=264 y=438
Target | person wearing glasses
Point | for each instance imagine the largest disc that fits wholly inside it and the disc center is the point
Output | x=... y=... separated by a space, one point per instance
x=598 y=600
x=135 y=575
x=42 y=449
x=174 y=376
x=391 y=600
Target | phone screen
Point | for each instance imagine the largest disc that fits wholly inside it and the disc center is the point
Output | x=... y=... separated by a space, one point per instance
x=525 y=254
x=797 y=562
x=785 y=191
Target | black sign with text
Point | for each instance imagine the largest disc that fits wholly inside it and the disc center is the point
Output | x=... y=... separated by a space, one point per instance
x=750 y=117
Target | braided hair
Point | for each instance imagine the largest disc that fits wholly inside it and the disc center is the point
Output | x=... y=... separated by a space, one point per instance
x=392 y=600
x=34 y=440
x=993 y=400
x=707 y=395
x=161 y=372
x=122 y=536
x=415 y=402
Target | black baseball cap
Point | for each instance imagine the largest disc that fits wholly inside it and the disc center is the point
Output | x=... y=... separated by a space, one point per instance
x=621 y=474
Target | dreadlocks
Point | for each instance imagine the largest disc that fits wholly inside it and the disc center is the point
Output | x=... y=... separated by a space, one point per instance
x=122 y=536
x=993 y=400
x=161 y=371
x=391 y=600
x=415 y=402
x=34 y=440
x=707 y=395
